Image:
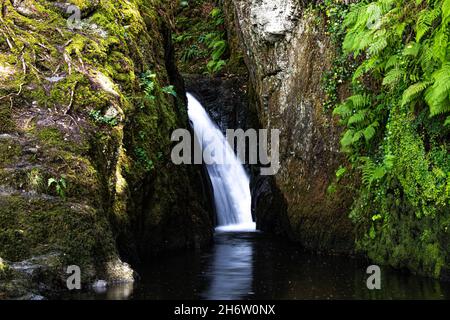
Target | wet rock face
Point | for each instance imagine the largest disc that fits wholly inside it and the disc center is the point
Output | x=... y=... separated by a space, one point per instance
x=225 y=99
x=286 y=52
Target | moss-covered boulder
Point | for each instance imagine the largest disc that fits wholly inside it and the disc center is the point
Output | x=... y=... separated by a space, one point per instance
x=87 y=107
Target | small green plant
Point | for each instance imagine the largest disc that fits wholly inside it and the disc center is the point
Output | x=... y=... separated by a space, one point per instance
x=100 y=118
x=144 y=159
x=191 y=53
x=148 y=83
x=170 y=90
x=202 y=41
x=60 y=186
x=218 y=46
x=217 y=16
x=340 y=173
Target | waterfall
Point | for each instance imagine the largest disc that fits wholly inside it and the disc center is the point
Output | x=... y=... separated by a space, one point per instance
x=229 y=180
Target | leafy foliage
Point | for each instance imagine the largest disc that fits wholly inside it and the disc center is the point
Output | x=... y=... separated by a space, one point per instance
x=170 y=90
x=144 y=159
x=397 y=124
x=201 y=38
x=60 y=186
x=98 y=117
x=148 y=84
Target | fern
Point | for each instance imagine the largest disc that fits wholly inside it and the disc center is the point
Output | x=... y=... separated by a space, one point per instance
x=371 y=172
x=367 y=171
x=365 y=67
x=357 y=118
x=357 y=136
x=359 y=101
x=445 y=11
x=393 y=77
x=437 y=96
x=369 y=133
x=376 y=47
x=393 y=61
x=440 y=42
x=342 y=110
x=404 y=156
x=447 y=121
x=424 y=22
x=413 y=91
x=347 y=139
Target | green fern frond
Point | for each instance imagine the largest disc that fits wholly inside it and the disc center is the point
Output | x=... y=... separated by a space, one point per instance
x=386 y=5
x=369 y=133
x=437 y=96
x=357 y=118
x=440 y=43
x=371 y=172
x=447 y=121
x=357 y=136
x=376 y=47
x=368 y=168
x=445 y=10
x=342 y=110
x=393 y=77
x=365 y=67
x=359 y=101
x=426 y=57
x=393 y=61
x=425 y=21
x=347 y=138
x=413 y=90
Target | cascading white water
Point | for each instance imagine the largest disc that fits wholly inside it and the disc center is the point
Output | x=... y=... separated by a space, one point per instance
x=229 y=180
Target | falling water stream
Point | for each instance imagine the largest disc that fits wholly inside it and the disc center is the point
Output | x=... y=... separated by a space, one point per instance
x=228 y=177
x=246 y=264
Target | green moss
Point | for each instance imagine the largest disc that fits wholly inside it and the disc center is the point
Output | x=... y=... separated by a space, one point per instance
x=103 y=172
x=3 y=268
x=30 y=227
x=10 y=151
x=6 y=122
x=84 y=5
x=51 y=136
x=58 y=144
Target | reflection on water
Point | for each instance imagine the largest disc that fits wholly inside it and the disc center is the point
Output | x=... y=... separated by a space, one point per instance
x=118 y=291
x=255 y=266
x=230 y=273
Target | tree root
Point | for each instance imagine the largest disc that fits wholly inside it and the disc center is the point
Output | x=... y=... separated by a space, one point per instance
x=69 y=107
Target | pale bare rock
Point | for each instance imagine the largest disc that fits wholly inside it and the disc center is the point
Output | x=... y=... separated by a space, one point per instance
x=119 y=272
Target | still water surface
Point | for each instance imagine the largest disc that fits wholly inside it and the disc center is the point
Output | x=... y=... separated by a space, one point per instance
x=254 y=266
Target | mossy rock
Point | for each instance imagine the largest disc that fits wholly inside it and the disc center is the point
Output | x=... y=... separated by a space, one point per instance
x=31 y=226
x=55 y=135
x=10 y=150
x=7 y=124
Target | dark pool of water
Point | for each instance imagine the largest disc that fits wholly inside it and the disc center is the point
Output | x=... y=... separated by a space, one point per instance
x=255 y=266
